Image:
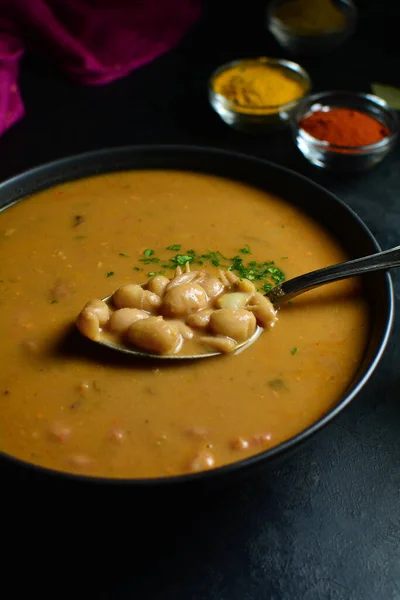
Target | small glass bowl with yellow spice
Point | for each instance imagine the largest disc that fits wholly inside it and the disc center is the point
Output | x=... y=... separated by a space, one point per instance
x=258 y=95
x=310 y=27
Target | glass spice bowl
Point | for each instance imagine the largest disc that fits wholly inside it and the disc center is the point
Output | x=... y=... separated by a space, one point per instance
x=260 y=119
x=310 y=43
x=345 y=158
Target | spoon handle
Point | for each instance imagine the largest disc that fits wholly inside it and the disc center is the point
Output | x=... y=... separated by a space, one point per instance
x=375 y=262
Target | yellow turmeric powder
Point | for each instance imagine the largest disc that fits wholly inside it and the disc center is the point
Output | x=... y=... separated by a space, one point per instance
x=259 y=86
x=313 y=17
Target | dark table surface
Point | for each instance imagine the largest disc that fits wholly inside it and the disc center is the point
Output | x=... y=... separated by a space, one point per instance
x=326 y=523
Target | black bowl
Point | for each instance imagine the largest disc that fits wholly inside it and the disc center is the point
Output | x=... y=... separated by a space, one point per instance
x=324 y=207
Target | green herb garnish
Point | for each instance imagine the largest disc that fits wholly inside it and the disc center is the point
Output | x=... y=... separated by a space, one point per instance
x=256 y=271
x=123 y=254
x=110 y=273
x=181 y=259
x=266 y=272
x=215 y=258
x=148 y=261
x=293 y=351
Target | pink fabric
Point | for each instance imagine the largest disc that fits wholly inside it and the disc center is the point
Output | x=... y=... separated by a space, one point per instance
x=94 y=41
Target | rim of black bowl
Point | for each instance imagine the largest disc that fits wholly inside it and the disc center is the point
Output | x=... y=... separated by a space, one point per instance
x=251 y=461
x=368 y=99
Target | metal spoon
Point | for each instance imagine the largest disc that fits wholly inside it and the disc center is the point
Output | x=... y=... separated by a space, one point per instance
x=381 y=261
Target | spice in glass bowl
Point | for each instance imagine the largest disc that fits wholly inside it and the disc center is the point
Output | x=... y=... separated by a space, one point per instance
x=311 y=27
x=313 y=17
x=258 y=86
x=345 y=131
x=344 y=127
x=258 y=95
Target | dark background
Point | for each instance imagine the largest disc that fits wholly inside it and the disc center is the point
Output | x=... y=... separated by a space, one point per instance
x=324 y=525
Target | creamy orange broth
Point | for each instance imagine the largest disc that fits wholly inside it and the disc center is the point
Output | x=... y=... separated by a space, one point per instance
x=68 y=405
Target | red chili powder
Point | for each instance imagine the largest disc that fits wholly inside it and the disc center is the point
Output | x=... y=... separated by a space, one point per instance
x=344 y=127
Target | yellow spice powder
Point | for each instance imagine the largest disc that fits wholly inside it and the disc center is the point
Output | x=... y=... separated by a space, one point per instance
x=257 y=87
x=314 y=17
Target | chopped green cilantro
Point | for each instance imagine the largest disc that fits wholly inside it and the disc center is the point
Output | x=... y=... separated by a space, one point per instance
x=148 y=261
x=266 y=272
x=153 y=273
x=293 y=351
x=110 y=273
x=182 y=259
x=123 y=254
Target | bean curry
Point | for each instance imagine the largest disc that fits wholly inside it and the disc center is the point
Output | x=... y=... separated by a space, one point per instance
x=69 y=405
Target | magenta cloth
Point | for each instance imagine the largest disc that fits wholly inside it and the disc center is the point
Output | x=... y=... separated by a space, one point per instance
x=94 y=41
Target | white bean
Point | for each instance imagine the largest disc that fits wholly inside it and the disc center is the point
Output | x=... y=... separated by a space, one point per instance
x=100 y=308
x=219 y=343
x=245 y=285
x=263 y=310
x=88 y=324
x=234 y=300
x=238 y=324
x=212 y=286
x=132 y=295
x=123 y=318
x=157 y=285
x=200 y=319
x=185 y=331
x=155 y=335
x=183 y=300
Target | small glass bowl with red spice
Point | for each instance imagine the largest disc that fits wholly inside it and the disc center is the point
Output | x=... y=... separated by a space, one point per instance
x=345 y=131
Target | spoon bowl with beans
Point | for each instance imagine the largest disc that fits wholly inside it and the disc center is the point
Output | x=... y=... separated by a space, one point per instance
x=196 y=314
